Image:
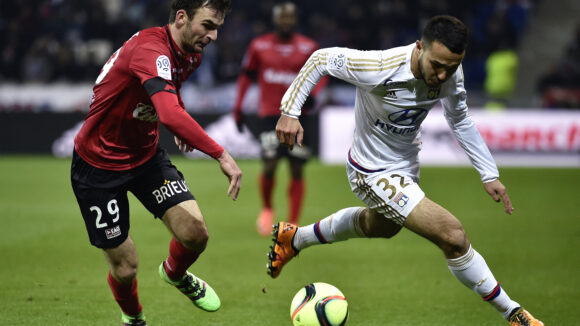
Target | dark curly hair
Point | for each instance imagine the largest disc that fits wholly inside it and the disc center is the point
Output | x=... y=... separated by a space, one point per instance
x=447 y=30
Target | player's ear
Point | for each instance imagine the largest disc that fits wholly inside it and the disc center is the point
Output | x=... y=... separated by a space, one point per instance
x=181 y=18
x=419 y=45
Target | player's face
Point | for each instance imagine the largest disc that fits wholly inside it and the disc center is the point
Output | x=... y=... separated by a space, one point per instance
x=437 y=63
x=285 y=21
x=201 y=30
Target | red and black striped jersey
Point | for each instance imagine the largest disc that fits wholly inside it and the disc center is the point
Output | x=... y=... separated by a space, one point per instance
x=137 y=88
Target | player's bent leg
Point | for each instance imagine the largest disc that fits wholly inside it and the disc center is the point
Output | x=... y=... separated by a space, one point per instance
x=190 y=235
x=439 y=226
x=289 y=238
x=185 y=222
x=435 y=223
x=374 y=225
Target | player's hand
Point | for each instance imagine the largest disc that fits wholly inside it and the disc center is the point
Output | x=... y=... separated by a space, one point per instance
x=233 y=172
x=289 y=131
x=183 y=147
x=239 y=119
x=498 y=192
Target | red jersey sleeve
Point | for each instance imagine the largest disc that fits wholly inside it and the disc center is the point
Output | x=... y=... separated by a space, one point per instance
x=180 y=123
x=150 y=63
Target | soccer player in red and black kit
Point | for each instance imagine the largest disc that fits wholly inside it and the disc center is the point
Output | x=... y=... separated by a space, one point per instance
x=117 y=151
x=275 y=59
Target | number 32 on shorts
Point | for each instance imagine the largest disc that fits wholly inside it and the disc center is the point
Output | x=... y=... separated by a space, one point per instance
x=390 y=184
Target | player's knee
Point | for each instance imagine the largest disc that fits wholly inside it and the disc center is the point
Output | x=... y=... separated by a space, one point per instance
x=454 y=241
x=125 y=273
x=195 y=237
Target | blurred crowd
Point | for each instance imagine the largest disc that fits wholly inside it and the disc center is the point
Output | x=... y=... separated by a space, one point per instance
x=560 y=86
x=51 y=40
x=64 y=40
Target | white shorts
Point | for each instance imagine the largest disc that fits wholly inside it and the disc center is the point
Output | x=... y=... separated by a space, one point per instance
x=391 y=193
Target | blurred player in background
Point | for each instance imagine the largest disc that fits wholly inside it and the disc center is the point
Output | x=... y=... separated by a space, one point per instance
x=395 y=89
x=117 y=151
x=275 y=59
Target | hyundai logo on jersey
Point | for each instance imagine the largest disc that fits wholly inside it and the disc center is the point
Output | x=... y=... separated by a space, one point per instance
x=408 y=117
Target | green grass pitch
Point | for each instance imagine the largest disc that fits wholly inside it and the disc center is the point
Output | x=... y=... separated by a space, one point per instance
x=50 y=275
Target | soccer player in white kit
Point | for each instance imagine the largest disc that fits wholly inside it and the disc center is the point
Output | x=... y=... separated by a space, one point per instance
x=395 y=89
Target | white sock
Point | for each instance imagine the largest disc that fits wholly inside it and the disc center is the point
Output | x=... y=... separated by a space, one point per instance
x=339 y=226
x=471 y=270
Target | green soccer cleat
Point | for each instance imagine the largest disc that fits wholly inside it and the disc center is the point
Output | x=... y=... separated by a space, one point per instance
x=197 y=290
x=138 y=320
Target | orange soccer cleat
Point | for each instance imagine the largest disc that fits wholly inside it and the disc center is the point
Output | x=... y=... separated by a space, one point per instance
x=282 y=250
x=264 y=222
x=521 y=317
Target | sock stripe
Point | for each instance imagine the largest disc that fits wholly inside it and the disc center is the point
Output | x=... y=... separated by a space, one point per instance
x=496 y=291
x=463 y=261
x=318 y=234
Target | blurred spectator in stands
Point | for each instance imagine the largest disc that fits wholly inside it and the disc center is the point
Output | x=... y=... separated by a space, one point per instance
x=560 y=87
x=502 y=62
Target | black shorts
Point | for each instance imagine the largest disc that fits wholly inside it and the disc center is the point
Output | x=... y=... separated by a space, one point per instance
x=270 y=145
x=102 y=195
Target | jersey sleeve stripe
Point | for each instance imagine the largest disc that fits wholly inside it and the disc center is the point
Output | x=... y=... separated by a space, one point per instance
x=393 y=58
x=377 y=68
x=367 y=65
x=318 y=60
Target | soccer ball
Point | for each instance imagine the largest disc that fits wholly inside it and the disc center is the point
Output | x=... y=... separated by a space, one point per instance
x=319 y=304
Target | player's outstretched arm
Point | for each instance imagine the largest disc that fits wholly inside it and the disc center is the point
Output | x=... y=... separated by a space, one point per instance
x=498 y=192
x=289 y=131
x=233 y=172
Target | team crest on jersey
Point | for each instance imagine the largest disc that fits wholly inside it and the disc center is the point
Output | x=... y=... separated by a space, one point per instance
x=145 y=112
x=433 y=93
x=163 y=67
x=337 y=61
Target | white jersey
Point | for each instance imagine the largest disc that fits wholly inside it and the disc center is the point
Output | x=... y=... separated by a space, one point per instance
x=390 y=106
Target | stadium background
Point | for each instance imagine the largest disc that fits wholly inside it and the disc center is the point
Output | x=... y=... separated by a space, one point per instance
x=523 y=54
x=52 y=50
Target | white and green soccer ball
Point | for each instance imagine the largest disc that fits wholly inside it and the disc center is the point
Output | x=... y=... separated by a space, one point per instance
x=319 y=304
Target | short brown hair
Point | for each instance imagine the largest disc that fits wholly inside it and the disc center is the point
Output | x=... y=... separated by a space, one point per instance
x=191 y=7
